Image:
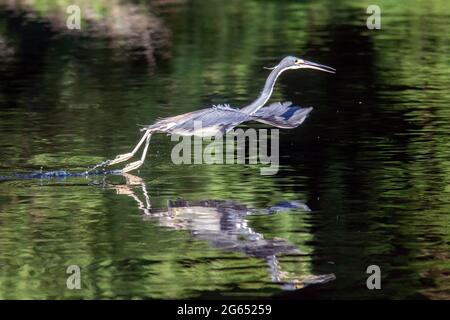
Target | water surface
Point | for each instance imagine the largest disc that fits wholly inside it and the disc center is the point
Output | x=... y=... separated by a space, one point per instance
x=371 y=161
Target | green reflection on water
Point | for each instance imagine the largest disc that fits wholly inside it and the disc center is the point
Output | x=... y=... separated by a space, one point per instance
x=376 y=173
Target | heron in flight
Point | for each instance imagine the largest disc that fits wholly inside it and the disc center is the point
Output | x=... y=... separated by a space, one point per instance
x=220 y=119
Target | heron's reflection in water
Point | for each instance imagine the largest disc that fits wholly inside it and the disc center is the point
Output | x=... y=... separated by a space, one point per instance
x=223 y=225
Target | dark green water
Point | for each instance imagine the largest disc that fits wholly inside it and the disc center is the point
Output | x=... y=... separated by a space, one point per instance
x=372 y=161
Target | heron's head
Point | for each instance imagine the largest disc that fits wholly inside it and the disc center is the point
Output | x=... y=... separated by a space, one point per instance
x=291 y=62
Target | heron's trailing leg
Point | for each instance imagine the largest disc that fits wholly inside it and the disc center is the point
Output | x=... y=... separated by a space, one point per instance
x=121 y=157
x=124 y=157
x=134 y=165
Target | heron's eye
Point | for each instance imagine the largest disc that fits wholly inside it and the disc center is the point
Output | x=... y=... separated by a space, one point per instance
x=298 y=61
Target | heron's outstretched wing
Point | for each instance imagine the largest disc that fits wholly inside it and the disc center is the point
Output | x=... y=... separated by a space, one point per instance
x=282 y=115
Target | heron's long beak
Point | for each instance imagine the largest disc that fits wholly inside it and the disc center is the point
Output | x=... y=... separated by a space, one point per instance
x=317 y=66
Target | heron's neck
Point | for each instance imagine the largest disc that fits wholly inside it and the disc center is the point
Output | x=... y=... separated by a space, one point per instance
x=266 y=92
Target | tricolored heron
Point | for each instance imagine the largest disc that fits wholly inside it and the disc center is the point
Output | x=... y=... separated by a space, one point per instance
x=222 y=118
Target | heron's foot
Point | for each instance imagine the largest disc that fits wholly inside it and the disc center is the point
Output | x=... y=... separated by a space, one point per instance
x=120 y=158
x=132 y=166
